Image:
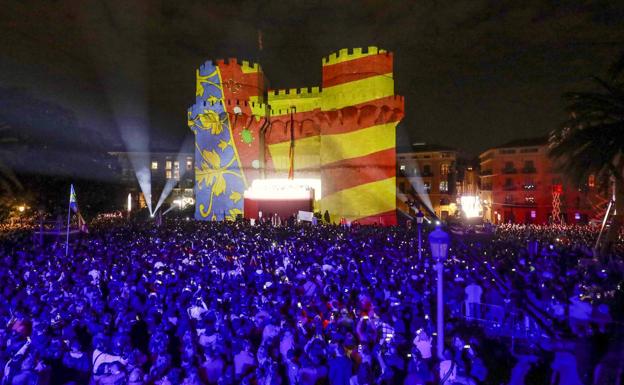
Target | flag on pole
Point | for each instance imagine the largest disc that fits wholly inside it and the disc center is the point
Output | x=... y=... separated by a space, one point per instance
x=73 y=205
x=260 y=43
x=73 y=202
x=291 y=150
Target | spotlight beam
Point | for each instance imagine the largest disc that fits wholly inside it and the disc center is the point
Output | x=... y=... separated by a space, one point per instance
x=171 y=183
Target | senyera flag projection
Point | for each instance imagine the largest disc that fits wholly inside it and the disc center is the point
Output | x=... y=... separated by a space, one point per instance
x=342 y=133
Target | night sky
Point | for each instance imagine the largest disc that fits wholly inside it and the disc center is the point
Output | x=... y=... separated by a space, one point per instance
x=474 y=73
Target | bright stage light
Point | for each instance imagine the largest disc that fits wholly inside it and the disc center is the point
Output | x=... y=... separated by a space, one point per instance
x=277 y=189
x=471 y=206
x=183 y=202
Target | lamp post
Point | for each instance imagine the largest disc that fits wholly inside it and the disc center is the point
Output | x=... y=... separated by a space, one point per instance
x=419 y=219
x=439 y=241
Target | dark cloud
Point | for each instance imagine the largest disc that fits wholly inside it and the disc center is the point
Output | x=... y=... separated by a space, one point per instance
x=474 y=73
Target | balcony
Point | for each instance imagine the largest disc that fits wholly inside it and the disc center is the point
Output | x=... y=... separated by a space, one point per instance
x=509 y=187
x=529 y=170
x=510 y=170
x=486 y=172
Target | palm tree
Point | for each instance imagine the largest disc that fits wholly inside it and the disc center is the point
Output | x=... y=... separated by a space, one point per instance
x=591 y=141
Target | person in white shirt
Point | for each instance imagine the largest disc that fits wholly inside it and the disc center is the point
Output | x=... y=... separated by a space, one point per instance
x=473 y=299
x=448 y=369
x=423 y=344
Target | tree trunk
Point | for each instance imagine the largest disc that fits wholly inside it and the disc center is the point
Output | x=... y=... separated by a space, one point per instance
x=616 y=220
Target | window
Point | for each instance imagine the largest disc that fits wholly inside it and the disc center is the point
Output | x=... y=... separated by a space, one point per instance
x=529 y=166
x=509 y=168
x=507 y=151
x=154 y=165
x=509 y=184
x=189 y=163
x=444 y=186
x=529 y=199
x=168 y=165
x=402 y=167
x=591 y=181
x=444 y=169
x=176 y=170
x=426 y=170
x=528 y=150
x=168 y=174
x=427 y=186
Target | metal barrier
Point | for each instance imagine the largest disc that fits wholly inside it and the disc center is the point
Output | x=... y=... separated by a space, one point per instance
x=503 y=320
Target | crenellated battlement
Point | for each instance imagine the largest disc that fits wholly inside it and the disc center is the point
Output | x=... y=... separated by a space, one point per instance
x=346 y=54
x=304 y=92
x=246 y=65
x=235 y=102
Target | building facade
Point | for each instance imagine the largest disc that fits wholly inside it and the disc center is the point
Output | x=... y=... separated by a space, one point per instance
x=165 y=168
x=427 y=174
x=341 y=133
x=520 y=185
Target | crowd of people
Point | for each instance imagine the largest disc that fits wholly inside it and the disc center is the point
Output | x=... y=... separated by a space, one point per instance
x=229 y=303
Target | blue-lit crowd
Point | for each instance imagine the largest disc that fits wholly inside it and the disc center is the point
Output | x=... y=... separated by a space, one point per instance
x=229 y=303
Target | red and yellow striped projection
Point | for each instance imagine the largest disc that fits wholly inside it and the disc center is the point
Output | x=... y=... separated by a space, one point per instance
x=344 y=131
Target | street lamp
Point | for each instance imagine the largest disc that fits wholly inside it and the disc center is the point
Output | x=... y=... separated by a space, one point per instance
x=439 y=242
x=419 y=219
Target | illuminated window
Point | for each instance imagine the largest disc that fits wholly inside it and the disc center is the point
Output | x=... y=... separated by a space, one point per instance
x=176 y=170
x=427 y=186
x=168 y=174
x=168 y=165
x=444 y=186
x=189 y=163
x=402 y=167
x=154 y=165
x=591 y=181
x=444 y=169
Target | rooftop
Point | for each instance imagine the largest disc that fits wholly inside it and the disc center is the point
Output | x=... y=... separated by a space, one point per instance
x=526 y=142
x=424 y=147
